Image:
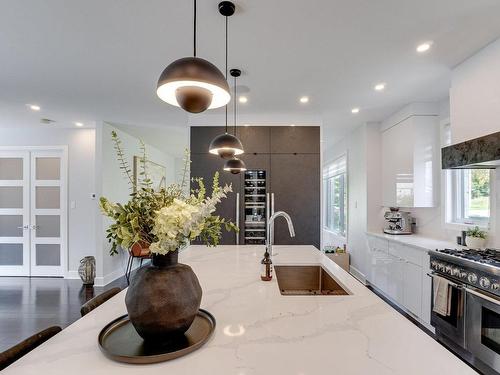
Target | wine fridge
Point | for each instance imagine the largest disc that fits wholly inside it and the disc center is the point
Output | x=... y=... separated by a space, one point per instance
x=255 y=207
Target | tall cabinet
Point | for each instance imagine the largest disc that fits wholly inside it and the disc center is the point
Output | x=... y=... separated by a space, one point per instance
x=290 y=157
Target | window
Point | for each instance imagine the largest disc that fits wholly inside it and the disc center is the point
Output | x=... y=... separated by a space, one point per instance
x=467 y=192
x=470 y=190
x=335 y=196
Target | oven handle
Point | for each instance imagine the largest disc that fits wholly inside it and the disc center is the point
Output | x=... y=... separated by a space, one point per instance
x=483 y=296
x=431 y=275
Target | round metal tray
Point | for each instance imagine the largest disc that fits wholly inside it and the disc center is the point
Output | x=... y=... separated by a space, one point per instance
x=119 y=341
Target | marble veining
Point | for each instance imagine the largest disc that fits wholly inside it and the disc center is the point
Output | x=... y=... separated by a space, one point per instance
x=259 y=331
x=483 y=150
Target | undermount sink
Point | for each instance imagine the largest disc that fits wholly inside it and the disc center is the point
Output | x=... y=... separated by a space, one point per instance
x=307 y=280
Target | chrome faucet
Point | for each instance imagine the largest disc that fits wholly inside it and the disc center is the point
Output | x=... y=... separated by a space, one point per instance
x=270 y=229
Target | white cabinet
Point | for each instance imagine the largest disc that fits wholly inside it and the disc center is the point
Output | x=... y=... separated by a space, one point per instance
x=398 y=271
x=412 y=288
x=410 y=162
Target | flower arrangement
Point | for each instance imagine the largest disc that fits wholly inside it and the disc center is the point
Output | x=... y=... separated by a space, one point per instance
x=165 y=219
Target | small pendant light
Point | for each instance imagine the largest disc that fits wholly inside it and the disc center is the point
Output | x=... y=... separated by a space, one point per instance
x=226 y=145
x=235 y=165
x=192 y=83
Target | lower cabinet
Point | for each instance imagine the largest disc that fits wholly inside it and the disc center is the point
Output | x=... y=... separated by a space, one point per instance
x=412 y=285
x=399 y=271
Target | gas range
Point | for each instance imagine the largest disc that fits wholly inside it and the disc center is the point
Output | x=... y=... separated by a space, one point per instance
x=478 y=268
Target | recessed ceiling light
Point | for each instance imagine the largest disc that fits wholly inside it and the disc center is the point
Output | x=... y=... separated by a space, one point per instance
x=424 y=47
x=34 y=107
x=355 y=110
x=379 y=87
x=243 y=99
x=79 y=124
x=247 y=125
x=292 y=124
x=304 y=99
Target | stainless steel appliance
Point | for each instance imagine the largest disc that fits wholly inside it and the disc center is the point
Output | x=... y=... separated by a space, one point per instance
x=474 y=320
x=398 y=222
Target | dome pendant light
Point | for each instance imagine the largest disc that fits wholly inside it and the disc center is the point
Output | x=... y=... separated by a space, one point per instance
x=235 y=165
x=226 y=145
x=193 y=83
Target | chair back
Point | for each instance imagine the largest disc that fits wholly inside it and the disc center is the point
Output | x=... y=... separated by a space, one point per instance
x=98 y=300
x=24 y=347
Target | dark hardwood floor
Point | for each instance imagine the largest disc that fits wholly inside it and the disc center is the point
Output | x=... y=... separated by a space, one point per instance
x=28 y=305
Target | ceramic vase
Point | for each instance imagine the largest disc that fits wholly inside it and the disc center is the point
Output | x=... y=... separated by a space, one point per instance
x=163 y=298
x=475 y=242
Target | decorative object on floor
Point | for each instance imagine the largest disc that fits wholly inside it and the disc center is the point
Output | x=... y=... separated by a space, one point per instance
x=193 y=83
x=86 y=270
x=157 y=173
x=235 y=165
x=164 y=297
x=475 y=238
x=226 y=145
x=98 y=300
x=120 y=342
x=11 y=355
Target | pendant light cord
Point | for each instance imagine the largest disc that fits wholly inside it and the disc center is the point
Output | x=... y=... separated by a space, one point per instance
x=235 y=96
x=194 y=29
x=226 y=71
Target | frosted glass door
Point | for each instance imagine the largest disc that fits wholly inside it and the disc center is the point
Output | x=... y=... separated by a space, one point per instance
x=14 y=213
x=48 y=207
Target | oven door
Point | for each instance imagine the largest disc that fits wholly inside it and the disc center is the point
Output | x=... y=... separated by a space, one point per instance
x=452 y=326
x=483 y=327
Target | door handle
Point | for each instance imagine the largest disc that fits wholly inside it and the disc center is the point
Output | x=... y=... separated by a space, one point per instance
x=483 y=296
x=24 y=227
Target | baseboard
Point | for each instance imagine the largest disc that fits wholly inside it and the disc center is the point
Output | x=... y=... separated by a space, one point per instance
x=72 y=275
x=357 y=274
x=101 y=280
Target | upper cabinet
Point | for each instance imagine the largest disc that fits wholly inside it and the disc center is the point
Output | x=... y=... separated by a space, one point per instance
x=410 y=162
x=201 y=136
x=295 y=139
x=255 y=139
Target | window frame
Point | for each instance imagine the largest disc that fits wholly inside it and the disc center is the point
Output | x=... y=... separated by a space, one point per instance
x=328 y=185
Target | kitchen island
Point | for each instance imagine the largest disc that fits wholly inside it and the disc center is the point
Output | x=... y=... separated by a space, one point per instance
x=259 y=331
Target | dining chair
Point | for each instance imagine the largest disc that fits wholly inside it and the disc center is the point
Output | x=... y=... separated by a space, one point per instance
x=139 y=250
x=24 y=347
x=98 y=300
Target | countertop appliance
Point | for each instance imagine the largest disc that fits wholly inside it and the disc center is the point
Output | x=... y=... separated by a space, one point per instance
x=474 y=319
x=398 y=222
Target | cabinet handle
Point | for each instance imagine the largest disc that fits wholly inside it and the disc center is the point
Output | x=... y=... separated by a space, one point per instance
x=238 y=217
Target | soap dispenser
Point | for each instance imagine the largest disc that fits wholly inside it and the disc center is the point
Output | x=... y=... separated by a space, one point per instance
x=266 y=273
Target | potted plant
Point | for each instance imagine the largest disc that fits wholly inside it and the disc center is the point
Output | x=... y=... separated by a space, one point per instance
x=164 y=297
x=475 y=238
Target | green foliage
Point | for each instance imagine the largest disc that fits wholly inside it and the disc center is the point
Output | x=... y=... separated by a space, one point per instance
x=135 y=220
x=480 y=179
x=476 y=232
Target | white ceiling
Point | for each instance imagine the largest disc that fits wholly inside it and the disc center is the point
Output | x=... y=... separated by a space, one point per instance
x=99 y=60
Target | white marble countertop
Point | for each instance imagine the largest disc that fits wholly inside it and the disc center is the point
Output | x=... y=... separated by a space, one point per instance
x=416 y=240
x=259 y=331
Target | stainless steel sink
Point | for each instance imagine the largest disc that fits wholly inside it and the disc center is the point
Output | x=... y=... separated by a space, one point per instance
x=307 y=280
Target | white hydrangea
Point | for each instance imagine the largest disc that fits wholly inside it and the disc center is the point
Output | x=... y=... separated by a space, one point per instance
x=182 y=221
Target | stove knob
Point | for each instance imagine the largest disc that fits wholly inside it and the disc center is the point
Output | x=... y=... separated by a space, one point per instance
x=495 y=286
x=447 y=269
x=463 y=274
x=433 y=264
x=455 y=271
x=441 y=266
x=472 y=278
x=484 y=282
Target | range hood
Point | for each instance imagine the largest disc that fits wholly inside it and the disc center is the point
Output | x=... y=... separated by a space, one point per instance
x=478 y=153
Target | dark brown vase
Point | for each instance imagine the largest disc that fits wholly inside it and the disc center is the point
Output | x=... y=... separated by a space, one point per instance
x=163 y=298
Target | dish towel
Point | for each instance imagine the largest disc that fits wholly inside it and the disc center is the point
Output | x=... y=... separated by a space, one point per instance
x=442 y=296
